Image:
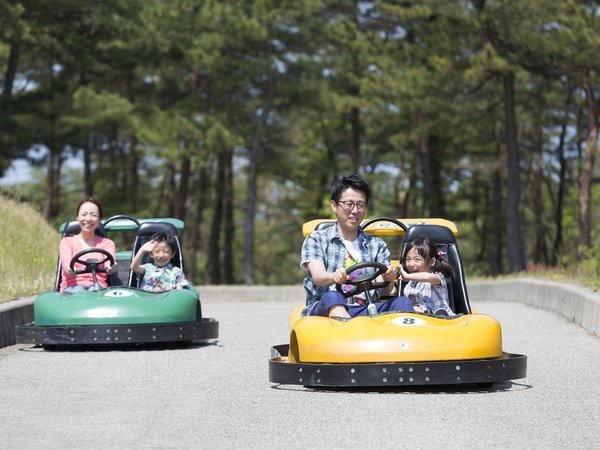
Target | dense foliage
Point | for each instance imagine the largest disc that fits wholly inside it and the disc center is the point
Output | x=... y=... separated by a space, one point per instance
x=237 y=115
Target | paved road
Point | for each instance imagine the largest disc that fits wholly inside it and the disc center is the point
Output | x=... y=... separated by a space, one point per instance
x=218 y=396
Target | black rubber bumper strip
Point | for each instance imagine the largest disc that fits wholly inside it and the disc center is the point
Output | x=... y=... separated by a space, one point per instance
x=202 y=330
x=508 y=367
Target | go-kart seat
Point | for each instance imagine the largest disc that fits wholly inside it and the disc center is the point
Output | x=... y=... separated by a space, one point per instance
x=143 y=235
x=445 y=241
x=324 y=224
x=71 y=229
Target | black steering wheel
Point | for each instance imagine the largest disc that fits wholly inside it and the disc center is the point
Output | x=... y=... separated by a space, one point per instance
x=364 y=282
x=383 y=219
x=91 y=265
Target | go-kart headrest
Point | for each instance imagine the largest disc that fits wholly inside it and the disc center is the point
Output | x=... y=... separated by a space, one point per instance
x=72 y=228
x=149 y=228
x=438 y=234
x=323 y=225
x=381 y=228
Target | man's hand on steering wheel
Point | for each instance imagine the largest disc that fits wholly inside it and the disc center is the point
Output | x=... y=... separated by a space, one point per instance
x=390 y=274
x=364 y=282
x=340 y=276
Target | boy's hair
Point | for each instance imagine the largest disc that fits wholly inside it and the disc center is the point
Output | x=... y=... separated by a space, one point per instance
x=427 y=250
x=354 y=181
x=163 y=237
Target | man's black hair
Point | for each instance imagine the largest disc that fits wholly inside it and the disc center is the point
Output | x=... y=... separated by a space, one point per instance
x=354 y=181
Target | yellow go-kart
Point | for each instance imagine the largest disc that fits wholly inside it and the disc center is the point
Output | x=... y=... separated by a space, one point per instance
x=397 y=349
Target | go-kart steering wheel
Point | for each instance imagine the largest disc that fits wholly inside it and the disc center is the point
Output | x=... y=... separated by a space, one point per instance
x=364 y=282
x=91 y=265
x=383 y=219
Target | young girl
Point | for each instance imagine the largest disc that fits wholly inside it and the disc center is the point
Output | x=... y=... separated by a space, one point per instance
x=424 y=270
x=160 y=274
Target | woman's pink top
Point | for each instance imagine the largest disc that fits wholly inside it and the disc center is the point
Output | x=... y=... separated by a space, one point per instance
x=72 y=245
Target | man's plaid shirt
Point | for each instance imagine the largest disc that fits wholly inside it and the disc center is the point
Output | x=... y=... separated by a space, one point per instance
x=326 y=245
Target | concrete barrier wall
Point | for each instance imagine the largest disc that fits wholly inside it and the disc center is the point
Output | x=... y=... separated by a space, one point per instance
x=16 y=312
x=575 y=303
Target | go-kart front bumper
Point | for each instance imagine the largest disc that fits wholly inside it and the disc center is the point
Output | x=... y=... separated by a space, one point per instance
x=206 y=329
x=359 y=375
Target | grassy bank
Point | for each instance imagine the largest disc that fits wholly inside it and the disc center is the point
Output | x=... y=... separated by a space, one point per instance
x=28 y=251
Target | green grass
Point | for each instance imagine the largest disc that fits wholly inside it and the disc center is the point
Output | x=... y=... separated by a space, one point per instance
x=28 y=251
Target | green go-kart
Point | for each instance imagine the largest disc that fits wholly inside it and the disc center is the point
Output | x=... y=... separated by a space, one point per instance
x=121 y=313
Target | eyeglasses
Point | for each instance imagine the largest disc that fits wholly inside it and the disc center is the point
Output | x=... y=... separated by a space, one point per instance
x=349 y=205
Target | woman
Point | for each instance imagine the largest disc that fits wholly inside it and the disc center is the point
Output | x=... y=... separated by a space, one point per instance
x=89 y=216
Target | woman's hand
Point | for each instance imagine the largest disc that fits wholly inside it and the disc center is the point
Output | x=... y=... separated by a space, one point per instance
x=111 y=269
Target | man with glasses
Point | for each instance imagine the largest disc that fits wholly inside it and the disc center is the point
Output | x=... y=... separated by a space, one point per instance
x=328 y=252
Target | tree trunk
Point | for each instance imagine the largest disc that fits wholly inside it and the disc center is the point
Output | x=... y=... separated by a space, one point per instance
x=560 y=195
x=516 y=259
x=355 y=138
x=182 y=196
x=250 y=212
x=54 y=166
x=133 y=159
x=498 y=255
x=87 y=167
x=228 y=232
x=195 y=223
x=132 y=166
x=540 y=252
x=11 y=69
x=214 y=242
x=171 y=188
x=587 y=169
x=424 y=162
x=13 y=55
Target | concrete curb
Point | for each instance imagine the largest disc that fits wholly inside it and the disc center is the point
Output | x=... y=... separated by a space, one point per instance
x=16 y=312
x=575 y=303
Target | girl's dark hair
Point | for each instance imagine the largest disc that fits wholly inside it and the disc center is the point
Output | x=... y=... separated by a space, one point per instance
x=353 y=181
x=163 y=237
x=427 y=250
x=90 y=200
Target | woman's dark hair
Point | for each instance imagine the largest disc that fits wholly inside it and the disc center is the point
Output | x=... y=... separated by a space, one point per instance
x=163 y=237
x=353 y=181
x=90 y=200
x=427 y=250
